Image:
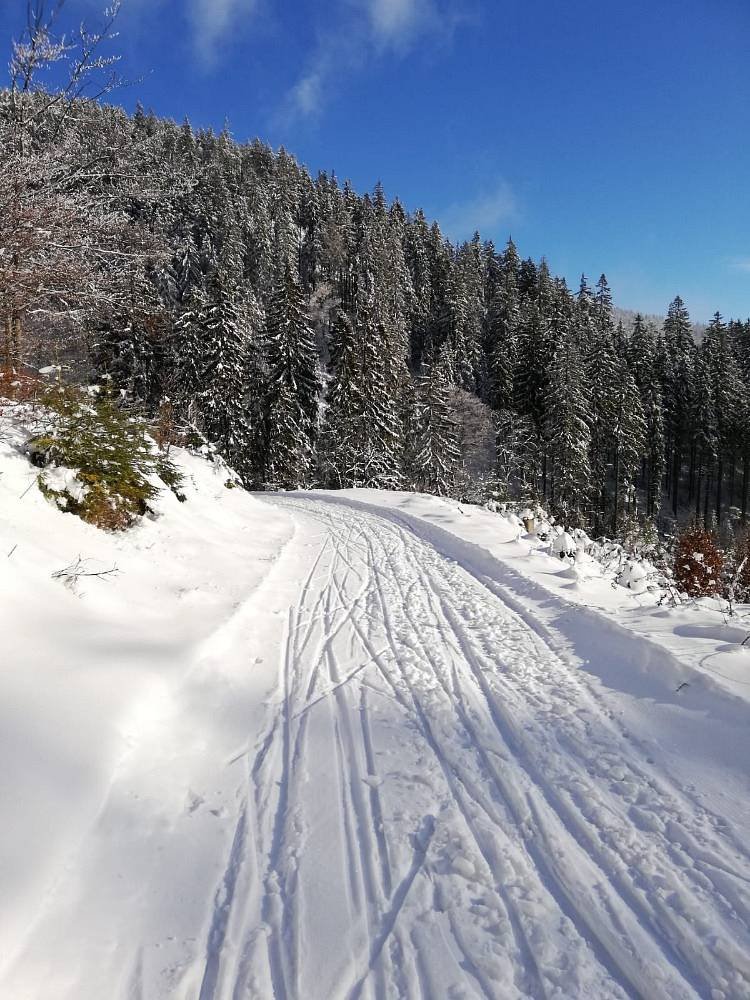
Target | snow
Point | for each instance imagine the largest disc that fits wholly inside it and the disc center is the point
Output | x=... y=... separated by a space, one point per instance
x=497 y=546
x=107 y=695
x=60 y=479
x=363 y=744
x=564 y=545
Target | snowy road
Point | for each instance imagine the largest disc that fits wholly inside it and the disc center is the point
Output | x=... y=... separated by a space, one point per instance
x=374 y=779
x=441 y=807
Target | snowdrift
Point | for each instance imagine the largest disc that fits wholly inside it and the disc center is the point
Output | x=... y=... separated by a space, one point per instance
x=92 y=666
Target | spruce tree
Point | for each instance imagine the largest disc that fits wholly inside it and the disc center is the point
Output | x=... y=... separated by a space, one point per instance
x=567 y=431
x=501 y=337
x=629 y=441
x=433 y=443
x=344 y=435
x=679 y=392
x=603 y=371
x=294 y=385
x=223 y=328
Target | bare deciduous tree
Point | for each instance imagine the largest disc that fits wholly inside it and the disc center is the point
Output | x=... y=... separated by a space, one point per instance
x=65 y=248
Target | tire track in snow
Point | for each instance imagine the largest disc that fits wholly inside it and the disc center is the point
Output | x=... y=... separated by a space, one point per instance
x=223 y=902
x=319 y=629
x=388 y=921
x=547 y=640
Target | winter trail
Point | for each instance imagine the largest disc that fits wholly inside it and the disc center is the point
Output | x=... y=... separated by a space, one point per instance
x=447 y=809
x=409 y=795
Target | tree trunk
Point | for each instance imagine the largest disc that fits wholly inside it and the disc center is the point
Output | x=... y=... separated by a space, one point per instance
x=698 y=480
x=719 y=478
x=668 y=469
x=745 y=483
x=691 y=475
x=8 y=344
x=616 y=510
x=15 y=341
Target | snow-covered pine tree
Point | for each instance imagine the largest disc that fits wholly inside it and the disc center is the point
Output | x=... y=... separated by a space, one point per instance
x=433 y=442
x=629 y=442
x=416 y=253
x=441 y=265
x=726 y=383
x=379 y=329
x=501 y=333
x=653 y=413
x=706 y=431
x=294 y=385
x=466 y=300
x=567 y=431
x=189 y=306
x=223 y=329
x=131 y=346
x=533 y=357
x=603 y=371
x=679 y=391
x=344 y=437
x=640 y=351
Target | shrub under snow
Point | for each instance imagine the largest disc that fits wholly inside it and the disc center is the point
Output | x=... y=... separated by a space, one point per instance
x=698 y=562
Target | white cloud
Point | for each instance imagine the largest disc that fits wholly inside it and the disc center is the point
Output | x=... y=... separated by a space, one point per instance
x=396 y=21
x=486 y=211
x=213 y=21
x=356 y=31
x=740 y=264
x=306 y=93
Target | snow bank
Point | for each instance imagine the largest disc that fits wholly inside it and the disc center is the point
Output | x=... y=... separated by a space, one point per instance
x=92 y=666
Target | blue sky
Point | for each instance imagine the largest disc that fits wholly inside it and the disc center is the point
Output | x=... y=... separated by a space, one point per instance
x=608 y=136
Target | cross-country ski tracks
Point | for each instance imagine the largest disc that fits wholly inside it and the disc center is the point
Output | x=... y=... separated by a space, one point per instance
x=440 y=806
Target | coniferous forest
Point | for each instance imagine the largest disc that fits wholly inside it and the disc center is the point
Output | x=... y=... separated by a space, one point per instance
x=322 y=337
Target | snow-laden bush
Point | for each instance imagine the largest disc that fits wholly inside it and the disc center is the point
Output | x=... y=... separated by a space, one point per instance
x=737 y=570
x=638 y=561
x=563 y=544
x=634 y=575
x=97 y=459
x=698 y=562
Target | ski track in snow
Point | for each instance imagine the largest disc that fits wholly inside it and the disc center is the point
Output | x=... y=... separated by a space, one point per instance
x=440 y=806
x=425 y=800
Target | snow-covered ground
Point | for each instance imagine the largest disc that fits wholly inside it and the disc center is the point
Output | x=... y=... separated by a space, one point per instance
x=357 y=745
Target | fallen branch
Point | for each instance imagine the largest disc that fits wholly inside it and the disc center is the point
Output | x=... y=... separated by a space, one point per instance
x=70 y=575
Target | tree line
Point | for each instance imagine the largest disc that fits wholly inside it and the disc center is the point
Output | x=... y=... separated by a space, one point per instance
x=321 y=337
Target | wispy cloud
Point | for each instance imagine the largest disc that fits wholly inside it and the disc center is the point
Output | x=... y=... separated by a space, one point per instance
x=212 y=23
x=357 y=31
x=740 y=264
x=395 y=22
x=486 y=211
